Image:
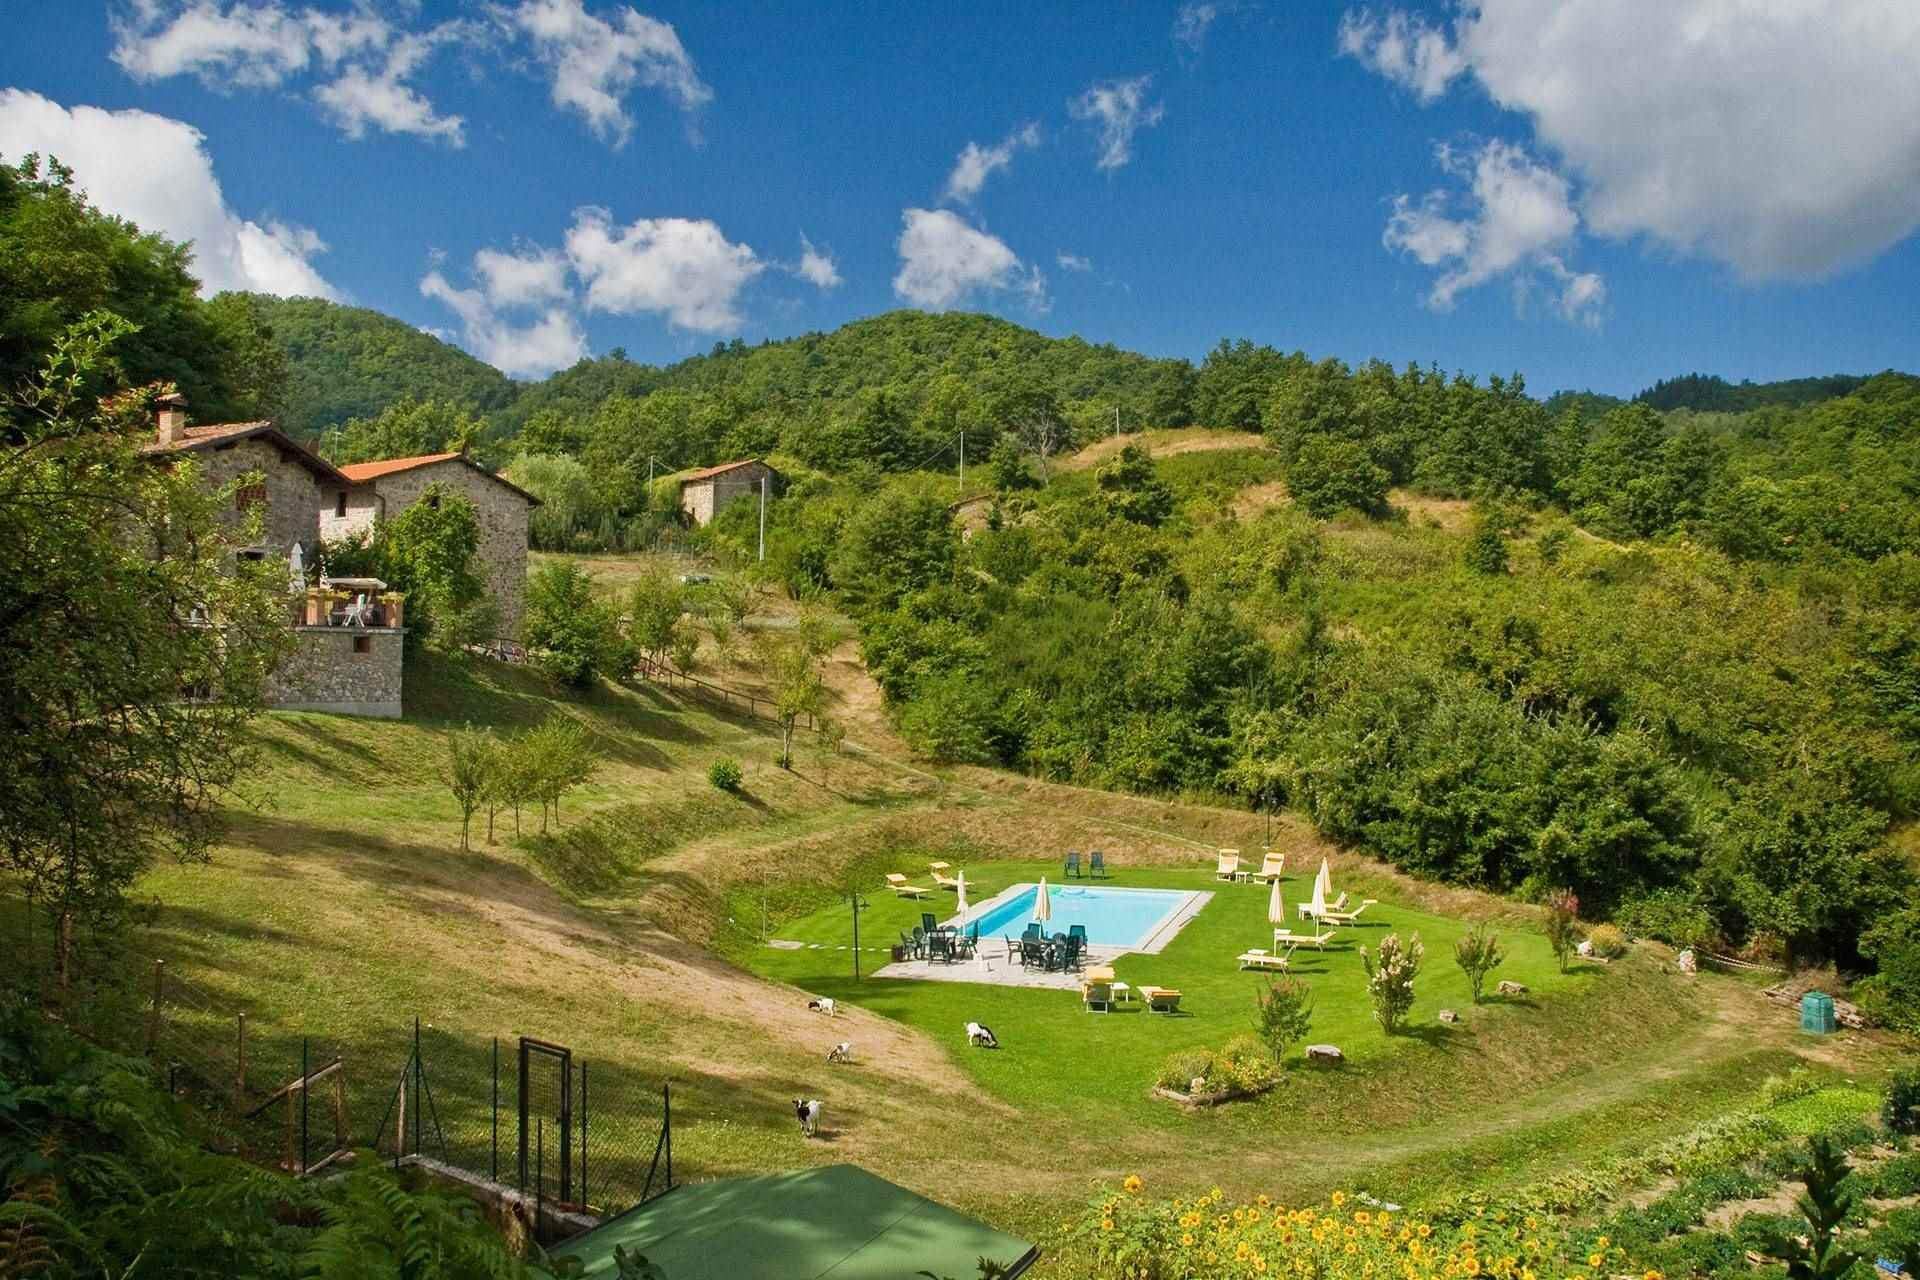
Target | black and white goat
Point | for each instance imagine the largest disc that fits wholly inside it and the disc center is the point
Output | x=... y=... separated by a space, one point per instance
x=809 y=1113
x=842 y=1052
x=981 y=1034
x=823 y=1005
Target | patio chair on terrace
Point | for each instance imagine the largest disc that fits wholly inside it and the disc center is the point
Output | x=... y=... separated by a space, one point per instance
x=1073 y=866
x=1077 y=933
x=1097 y=865
x=928 y=923
x=356 y=614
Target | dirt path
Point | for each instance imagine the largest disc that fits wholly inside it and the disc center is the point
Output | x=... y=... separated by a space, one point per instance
x=1163 y=444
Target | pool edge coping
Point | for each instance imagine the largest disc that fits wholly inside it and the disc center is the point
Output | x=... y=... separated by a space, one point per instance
x=1152 y=942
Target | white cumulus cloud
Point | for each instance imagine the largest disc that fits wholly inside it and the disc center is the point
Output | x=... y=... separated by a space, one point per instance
x=1118 y=109
x=944 y=259
x=977 y=163
x=816 y=266
x=1403 y=48
x=1518 y=221
x=155 y=171
x=1780 y=138
x=1073 y=261
x=552 y=341
x=595 y=62
x=682 y=268
x=366 y=60
x=527 y=277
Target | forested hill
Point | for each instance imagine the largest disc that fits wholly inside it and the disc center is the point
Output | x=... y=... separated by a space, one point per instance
x=904 y=354
x=350 y=362
x=1709 y=393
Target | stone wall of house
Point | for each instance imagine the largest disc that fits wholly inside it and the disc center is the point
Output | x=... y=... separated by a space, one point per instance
x=362 y=507
x=351 y=671
x=702 y=500
x=502 y=516
x=293 y=498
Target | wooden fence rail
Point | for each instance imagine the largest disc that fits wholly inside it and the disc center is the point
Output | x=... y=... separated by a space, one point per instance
x=674 y=678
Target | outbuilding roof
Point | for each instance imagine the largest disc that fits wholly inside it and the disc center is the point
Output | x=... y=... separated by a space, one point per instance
x=708 y=473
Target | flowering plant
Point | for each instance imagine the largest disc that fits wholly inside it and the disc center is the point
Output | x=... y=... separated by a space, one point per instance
x=1125 y=1233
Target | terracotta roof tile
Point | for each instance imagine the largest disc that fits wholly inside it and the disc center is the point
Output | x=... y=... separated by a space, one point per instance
x=361 y=472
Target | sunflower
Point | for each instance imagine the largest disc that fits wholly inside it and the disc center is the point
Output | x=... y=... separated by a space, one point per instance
x=1132 y=1184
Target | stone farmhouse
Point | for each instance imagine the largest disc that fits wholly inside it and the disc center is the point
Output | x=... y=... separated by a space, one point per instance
x=705 y=493
x=348 y=655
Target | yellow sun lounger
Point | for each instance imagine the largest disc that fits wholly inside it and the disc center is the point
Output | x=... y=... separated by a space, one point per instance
x=1287 y=938
x=1271 y=867
x=1347 y=917
x=898 y=883
x=1257 y=959
x=1161 y=999
x=1228 y=866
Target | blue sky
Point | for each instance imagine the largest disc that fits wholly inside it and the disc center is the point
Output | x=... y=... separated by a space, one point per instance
x=1596 y=193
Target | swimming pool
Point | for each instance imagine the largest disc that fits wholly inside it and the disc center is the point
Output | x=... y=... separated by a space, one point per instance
x=1137 y=919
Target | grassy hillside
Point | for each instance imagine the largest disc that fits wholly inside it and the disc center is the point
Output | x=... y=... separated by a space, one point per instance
x=340 y=907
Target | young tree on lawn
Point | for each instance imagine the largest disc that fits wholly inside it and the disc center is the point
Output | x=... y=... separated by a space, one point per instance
x=654 y=606
x=799 y=689
x=1283 y=1013
x=136 y=644
x=559 y=757
x=1478 y=954
x=1390 y=975
x=469 y=763
x=1562 y=924
x=1829 y=1199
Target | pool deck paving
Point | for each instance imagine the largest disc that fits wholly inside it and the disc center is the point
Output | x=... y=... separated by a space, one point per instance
x=993 y=967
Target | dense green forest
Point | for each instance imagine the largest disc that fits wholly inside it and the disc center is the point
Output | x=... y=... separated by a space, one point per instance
x=349 y=362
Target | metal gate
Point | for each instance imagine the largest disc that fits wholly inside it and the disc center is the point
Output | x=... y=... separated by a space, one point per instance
x=546 y=1115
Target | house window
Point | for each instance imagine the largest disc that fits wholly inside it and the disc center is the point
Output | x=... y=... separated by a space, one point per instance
x=363 y=644
x=248 y=496
x=340 y=505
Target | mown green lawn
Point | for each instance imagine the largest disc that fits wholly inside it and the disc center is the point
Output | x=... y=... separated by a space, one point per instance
x=1055 y=1053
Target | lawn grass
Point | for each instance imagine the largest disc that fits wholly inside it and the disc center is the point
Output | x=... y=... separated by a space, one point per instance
x=1044 y=1029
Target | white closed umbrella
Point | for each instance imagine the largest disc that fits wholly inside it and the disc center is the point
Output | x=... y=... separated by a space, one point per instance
x=961 y=904
x=297 y=568
x=1276 y=909
x=1318 y=907
x=1042 y=904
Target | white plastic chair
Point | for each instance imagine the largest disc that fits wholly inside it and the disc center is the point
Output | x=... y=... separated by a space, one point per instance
x=356 y=615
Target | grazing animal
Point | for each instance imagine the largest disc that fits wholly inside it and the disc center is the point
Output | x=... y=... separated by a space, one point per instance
x=842 y=1052
x=981 y=1034
x=823 y=1005
x=809 y=1113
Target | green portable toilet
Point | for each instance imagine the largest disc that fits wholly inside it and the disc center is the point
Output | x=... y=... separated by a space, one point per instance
x=1816 y=1013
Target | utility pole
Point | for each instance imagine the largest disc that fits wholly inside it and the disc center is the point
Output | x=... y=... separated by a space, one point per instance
x=1116 y=420
x=963 y=464
x=763 y=518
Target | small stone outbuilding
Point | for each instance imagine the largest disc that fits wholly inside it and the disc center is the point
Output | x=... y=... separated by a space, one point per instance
x=704 y=494
x=382 y=490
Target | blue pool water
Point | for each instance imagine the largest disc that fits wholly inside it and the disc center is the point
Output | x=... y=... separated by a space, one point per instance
x=1114 y=917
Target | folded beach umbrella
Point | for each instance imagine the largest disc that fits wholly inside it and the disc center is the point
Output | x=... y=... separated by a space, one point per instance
x=1276 y=910
x=1042 y=904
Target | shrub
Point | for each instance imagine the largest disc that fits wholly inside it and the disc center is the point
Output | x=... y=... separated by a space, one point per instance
x=1607 y=942
x=1390 y=974
x=1900 y=1112
x=1283 y=1012
x=574 y=636
x=724 y=774
x=1245 y=1064
x=1485 y=551
x=1671 y=915
x=1182 y=1068
x=1478 y=954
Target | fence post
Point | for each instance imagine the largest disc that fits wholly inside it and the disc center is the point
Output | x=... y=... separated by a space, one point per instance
x=539 y=1175
x=496 y=1109
x=153 y=1014
x=418 y=1070
x=240 y=1061
x=583 y=1135
x=305 y=1091
x=666 y=1111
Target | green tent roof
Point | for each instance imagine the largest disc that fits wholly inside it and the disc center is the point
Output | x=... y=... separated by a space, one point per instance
x=840 y=1222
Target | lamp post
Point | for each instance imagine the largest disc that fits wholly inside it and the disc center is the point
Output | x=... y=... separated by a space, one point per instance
x=858 y=904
